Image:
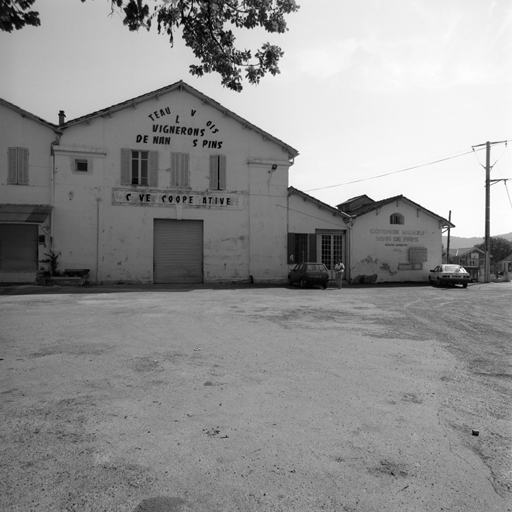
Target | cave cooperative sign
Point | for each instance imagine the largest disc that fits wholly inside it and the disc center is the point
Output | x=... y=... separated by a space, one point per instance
x=135 y=197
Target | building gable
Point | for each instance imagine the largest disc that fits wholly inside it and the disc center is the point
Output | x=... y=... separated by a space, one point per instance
x=164 y=120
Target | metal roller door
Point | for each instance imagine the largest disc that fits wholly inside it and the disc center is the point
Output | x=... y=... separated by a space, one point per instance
x=18 y=248
x=177 y=251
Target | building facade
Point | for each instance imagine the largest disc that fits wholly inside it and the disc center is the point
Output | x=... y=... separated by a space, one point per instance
x=393 y=240
x=317 y=232
x=169 y=187
x=25 y=192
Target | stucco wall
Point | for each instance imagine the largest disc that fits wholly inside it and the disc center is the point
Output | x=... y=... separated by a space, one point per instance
x=381 y=250
x=115 y=239
x=18 y=131
x=22 y=131
x=306 y=216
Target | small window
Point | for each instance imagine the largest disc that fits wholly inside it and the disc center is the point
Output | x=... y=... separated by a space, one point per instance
x=217 y=172
x=81 y=165
x=396 y=218
x=17 y=166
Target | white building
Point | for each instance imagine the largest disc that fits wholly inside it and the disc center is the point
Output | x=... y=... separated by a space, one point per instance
x=25 y=191
x=393 y=240
x=171 y=187
x=168 y=187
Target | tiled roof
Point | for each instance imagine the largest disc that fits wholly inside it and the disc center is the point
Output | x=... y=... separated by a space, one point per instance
x=24 y=113
x=377 y=204
x=335 y=211
x=463 y=251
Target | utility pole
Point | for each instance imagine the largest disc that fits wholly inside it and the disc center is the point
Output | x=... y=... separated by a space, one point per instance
x=487 y=212
x=448 y=242
x=488 y=167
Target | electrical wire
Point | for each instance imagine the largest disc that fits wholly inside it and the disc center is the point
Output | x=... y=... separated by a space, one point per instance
x=508 y=194
x=395 y=172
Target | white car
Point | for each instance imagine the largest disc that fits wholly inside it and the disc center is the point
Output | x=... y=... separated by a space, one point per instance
x=449 y=274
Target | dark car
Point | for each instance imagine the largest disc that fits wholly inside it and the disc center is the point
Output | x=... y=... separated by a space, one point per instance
x=449 y=274
x=309 y=274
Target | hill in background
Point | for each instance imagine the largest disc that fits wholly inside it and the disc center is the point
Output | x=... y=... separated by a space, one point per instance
x=464 y=243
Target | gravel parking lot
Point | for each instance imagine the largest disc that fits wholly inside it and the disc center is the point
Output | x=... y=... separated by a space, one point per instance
x=254 y=398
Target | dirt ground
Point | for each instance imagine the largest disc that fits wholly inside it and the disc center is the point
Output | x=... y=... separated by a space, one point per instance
x=220 y=399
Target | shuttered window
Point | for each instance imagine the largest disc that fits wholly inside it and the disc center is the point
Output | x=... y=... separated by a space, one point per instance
x=139 y=168
x=17 y=166
x=180 y=172
x=217 y=172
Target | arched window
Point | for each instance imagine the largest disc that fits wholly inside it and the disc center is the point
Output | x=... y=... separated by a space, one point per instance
x=396 y=218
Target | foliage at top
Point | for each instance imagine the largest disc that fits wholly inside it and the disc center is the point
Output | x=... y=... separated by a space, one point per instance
x=13 y=15
x=204 y=25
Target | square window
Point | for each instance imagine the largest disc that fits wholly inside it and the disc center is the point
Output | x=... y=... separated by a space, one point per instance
x=81 y=165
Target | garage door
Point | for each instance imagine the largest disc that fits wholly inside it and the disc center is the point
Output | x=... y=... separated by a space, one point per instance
x=18 y=248
x=177 y=251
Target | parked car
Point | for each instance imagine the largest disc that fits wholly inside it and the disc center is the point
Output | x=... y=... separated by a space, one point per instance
x=309 y=274
x=449 y=274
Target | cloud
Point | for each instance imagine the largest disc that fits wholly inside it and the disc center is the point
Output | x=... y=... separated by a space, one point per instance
x=325 y=60
x=425 y=48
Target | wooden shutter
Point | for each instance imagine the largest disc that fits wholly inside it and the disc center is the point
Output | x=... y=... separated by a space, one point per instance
x=126 y=171
x=12 y=172
x=175 y=162
x=185 y=170
x=180 y=170
x=22 y=166
x=222 y=172
x=312 y=247
x=291 y=248
x=153 y=168
x=214 y=164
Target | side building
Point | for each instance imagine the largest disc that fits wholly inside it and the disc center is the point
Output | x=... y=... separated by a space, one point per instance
x=26 y=192
x=393 y=240
x=317 y=232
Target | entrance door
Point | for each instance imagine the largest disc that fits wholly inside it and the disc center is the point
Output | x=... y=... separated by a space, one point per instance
x=177 y=251
x=332 y=250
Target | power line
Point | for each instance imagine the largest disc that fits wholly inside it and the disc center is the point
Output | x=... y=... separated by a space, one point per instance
x=508 y=193
x=396 y=172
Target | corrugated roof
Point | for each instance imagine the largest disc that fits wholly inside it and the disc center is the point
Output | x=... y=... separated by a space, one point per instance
x=180 y=86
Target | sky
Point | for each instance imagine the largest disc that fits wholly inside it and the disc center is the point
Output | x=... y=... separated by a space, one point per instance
x=367 y=91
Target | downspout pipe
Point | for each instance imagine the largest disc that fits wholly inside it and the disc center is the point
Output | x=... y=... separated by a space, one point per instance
x=56 y=142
